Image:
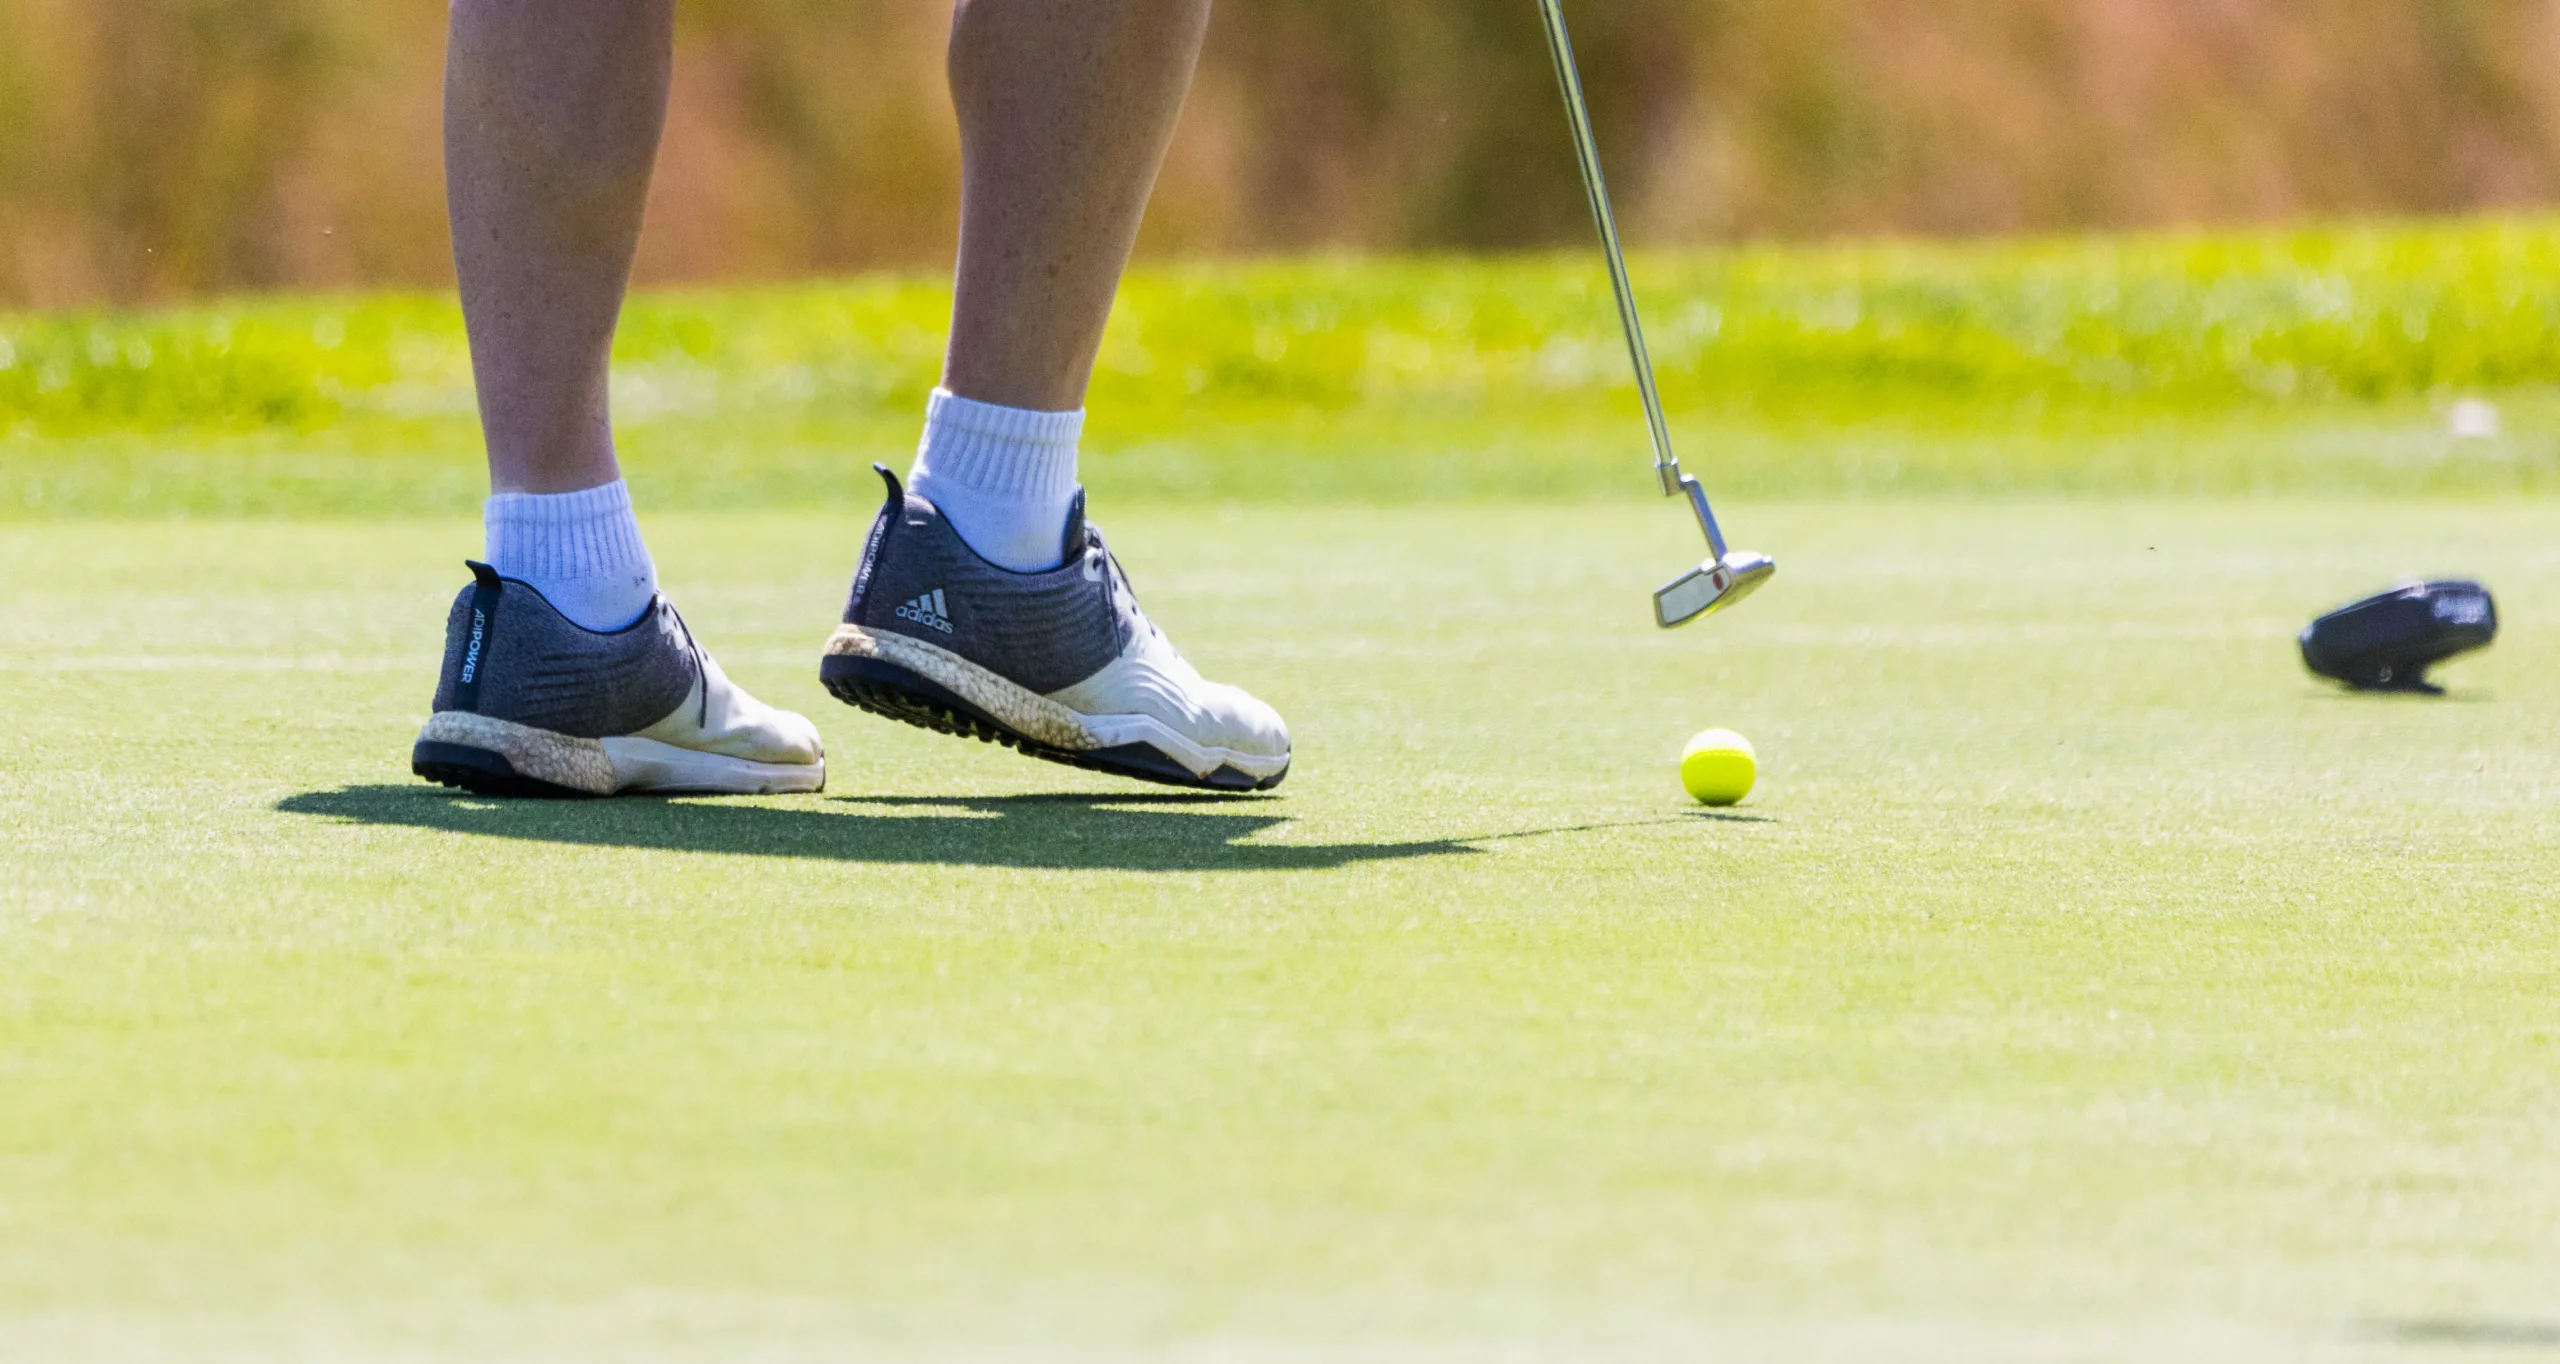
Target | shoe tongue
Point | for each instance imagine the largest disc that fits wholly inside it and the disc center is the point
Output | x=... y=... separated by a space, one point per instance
x=1071 y=545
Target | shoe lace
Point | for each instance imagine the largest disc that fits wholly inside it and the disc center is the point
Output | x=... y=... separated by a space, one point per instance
x=1124 y=598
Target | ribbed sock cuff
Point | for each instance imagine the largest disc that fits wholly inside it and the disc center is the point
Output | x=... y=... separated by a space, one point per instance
x=581 y=550
x=1004 y=477
x=1002 y=452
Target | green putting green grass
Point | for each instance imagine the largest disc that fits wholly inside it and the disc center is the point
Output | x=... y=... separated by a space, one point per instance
x=2083 y=982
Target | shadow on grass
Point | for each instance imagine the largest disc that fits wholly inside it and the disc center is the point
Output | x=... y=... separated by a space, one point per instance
x=1135 y=832
x=2533 y=1336
x=2450 y=696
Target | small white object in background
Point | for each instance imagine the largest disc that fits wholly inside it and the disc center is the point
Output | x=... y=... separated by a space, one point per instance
x=2473 y=419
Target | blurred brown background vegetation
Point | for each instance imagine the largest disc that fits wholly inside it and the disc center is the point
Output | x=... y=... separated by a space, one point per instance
x=157 y=148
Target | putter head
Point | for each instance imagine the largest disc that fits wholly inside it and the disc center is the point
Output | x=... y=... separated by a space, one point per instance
x=1711 y=587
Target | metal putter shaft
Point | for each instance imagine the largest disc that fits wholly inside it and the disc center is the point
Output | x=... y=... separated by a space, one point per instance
x=1727 y=576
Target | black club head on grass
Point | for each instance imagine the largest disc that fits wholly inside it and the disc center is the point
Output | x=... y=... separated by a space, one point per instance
x=2388 y=641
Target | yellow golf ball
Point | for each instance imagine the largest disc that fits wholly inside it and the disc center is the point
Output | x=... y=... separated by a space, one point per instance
x=1719 y=767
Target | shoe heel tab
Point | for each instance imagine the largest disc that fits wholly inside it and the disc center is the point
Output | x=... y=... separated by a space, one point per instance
x=1071 y=545
x=892 y=511
x=482 y=623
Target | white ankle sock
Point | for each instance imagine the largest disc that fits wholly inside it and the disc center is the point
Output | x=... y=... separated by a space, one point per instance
x=1003 y=476
x=582 y=551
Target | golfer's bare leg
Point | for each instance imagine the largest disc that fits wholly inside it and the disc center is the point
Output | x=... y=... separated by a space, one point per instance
x=553 y=110
x=552 y=115
x=1066 y=108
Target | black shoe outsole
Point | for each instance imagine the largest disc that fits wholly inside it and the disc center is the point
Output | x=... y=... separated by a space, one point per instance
x=894 y=693
x=482 y=773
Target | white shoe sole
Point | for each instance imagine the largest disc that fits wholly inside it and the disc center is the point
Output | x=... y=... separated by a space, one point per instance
x=457 y=749
x=990 y=707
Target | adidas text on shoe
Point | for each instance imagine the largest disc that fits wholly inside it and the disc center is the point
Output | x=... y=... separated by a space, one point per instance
x=1061 y=664
x=929 y=611
x=532 y=704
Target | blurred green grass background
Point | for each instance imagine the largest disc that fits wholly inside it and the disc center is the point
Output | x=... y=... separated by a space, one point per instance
x=2317 y=359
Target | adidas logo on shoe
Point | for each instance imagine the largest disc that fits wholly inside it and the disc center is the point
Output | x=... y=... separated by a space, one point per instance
x=928 y=611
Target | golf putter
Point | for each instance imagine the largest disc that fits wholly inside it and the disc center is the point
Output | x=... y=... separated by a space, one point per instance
x=1727 y=576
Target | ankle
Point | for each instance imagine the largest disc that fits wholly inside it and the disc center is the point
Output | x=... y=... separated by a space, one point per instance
x=582 y=551
x=1004 y=477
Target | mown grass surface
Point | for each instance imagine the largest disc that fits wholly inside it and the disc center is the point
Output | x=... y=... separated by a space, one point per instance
x=2083 y=982
x=2307 y=360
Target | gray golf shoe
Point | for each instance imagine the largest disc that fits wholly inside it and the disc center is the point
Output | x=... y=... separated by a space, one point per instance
x=1061 y=664
x=531 y=703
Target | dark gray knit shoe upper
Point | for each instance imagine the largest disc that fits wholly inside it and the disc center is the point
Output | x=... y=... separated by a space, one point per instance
x=510 y=655
x=1042 y=631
